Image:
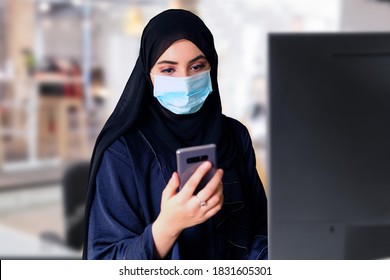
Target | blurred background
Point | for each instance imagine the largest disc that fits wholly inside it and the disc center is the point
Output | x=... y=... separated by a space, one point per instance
x=63 y=66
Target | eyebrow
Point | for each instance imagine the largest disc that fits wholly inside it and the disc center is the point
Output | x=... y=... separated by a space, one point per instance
x=196 y=58
x=174 y=62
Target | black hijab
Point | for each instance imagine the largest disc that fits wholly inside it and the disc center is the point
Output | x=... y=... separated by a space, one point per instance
x=208 y=125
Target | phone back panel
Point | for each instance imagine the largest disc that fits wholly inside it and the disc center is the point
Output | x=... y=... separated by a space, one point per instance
x=189 y=159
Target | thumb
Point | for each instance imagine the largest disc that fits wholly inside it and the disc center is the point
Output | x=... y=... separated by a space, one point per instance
x=170 y=189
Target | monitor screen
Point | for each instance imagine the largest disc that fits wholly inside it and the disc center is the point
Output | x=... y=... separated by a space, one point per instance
x=329 y=135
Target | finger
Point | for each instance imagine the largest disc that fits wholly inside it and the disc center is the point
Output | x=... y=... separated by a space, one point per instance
x=212 y=211
x=212 y=186
x=171 y=187
x=214 y=201
x=190 y=186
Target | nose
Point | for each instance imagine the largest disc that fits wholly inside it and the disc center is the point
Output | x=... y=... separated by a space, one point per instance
x=183 y=73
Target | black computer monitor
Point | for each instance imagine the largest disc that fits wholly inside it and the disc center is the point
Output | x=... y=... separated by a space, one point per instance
x=329 y=135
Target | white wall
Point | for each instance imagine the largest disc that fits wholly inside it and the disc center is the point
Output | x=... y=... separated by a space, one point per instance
x=365 y=15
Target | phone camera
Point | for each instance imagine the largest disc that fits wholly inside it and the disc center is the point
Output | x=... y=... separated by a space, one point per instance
x=197 y=159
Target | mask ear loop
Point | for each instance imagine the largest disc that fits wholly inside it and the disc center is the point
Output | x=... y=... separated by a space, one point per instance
x=152 y=78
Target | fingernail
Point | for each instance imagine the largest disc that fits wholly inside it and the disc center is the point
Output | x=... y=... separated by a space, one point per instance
x=206 y=164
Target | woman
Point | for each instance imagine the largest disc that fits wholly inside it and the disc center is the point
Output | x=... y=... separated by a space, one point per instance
x=134 y=210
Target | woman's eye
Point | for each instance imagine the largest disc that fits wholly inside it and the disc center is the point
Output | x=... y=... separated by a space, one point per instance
x=198 y=66
x=167 y=71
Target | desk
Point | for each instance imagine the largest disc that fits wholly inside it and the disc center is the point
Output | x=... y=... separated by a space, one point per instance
x=18 y=245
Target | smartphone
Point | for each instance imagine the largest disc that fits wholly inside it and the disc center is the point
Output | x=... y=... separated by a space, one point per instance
x=189 y=159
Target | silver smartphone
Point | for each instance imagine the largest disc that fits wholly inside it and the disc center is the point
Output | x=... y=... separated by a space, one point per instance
x=189 y=159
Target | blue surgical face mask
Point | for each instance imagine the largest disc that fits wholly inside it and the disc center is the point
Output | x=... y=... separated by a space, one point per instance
x=182 y=95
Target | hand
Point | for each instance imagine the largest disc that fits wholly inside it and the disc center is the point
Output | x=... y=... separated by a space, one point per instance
x=183 y=209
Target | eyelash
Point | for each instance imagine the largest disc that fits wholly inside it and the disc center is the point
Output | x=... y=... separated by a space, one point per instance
x=167 y=70
x=199 y=66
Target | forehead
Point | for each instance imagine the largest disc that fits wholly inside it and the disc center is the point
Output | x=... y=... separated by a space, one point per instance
x=181 y=50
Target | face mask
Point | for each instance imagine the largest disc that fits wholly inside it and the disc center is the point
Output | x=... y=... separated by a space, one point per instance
x=182 y=95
